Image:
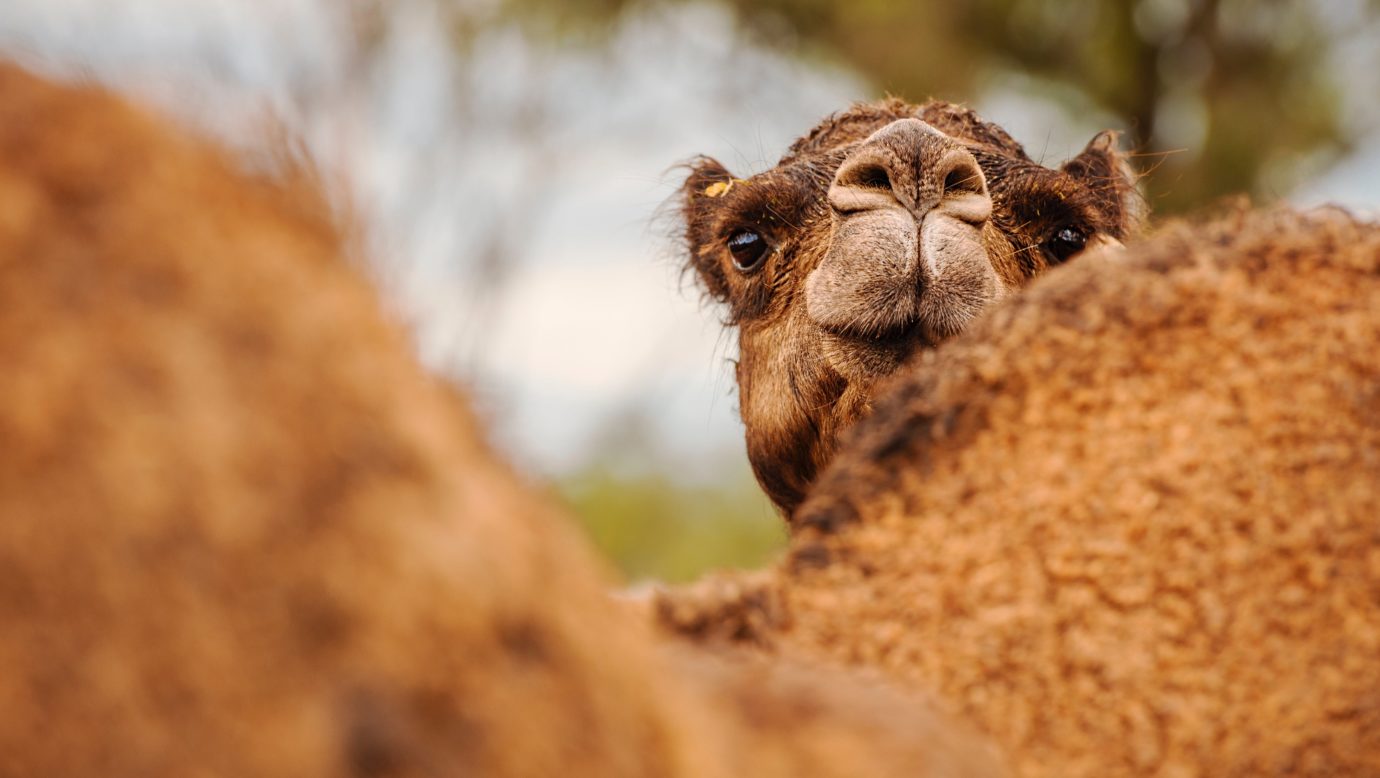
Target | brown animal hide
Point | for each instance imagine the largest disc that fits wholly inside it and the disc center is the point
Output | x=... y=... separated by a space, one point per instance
x=242 y=533
x=1128 y=522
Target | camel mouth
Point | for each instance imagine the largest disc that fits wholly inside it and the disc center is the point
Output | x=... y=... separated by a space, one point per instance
x=872 y=307
x=880 y=329
x=888 y=280
x=904 y=313
x=916 y=337
x=877 y=353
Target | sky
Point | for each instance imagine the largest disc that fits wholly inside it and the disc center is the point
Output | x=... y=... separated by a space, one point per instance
x=555 y=164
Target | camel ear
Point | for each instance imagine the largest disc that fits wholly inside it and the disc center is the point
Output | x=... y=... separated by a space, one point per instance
x=1107 y=171
x=708 y=181
x=700 y=198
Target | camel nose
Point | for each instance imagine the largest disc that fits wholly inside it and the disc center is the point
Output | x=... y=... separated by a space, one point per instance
x=910 y=165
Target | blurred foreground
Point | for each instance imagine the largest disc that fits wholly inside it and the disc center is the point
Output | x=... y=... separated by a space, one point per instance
x=229 y=549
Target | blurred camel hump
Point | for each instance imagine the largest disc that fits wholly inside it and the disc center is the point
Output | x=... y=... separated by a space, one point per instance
x=243 y=533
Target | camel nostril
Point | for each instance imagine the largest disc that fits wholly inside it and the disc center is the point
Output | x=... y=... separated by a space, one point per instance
x=871 y=177
x=963 y=188
x=963 y=179
x=865 y=183
x=960 y=174
x=868 y=176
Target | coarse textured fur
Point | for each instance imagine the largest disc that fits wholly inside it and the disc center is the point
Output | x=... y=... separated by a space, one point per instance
x=884 y=231
x=242 y=533
x=1127 y=522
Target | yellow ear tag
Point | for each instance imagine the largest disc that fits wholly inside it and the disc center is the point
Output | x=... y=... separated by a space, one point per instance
x=718 y=188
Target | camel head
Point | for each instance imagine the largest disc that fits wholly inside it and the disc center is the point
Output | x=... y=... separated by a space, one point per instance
x=883 y=231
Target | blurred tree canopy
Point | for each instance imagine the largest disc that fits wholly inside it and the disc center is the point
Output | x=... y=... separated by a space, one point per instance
x=1220 y=96
x=1251 y=73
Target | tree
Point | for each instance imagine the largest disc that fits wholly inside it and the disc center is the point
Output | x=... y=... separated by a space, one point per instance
x=1220 y=96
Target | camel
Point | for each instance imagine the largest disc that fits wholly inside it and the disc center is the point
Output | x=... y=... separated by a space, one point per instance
x=884 y=231
x=1125 y=522
x=245 y=534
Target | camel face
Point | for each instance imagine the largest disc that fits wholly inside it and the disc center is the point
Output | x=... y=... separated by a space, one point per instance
x=907 y=265
x=882 y=232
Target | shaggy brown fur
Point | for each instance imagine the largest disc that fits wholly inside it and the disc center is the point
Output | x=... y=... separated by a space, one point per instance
x=1127 y=522
x=244 y=534
x=883 y=231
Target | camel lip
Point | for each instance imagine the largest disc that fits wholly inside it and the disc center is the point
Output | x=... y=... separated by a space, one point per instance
x=896 y=317
x=916 y=335
x=909 y=330
x=893 y=345
x=870 y=336
x=871 y=358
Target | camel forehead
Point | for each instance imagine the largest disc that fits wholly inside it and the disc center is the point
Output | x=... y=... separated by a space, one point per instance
x=861 y=120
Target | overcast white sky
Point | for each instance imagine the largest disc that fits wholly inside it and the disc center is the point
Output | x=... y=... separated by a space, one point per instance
x=437 y=156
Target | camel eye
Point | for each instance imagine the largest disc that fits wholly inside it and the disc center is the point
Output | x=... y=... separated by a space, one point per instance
x=1066 y=242
x=748 y=249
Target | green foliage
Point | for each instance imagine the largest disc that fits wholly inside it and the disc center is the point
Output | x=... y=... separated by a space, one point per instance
x=1219 y=96
x=654 y=527
x=1222 y=70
